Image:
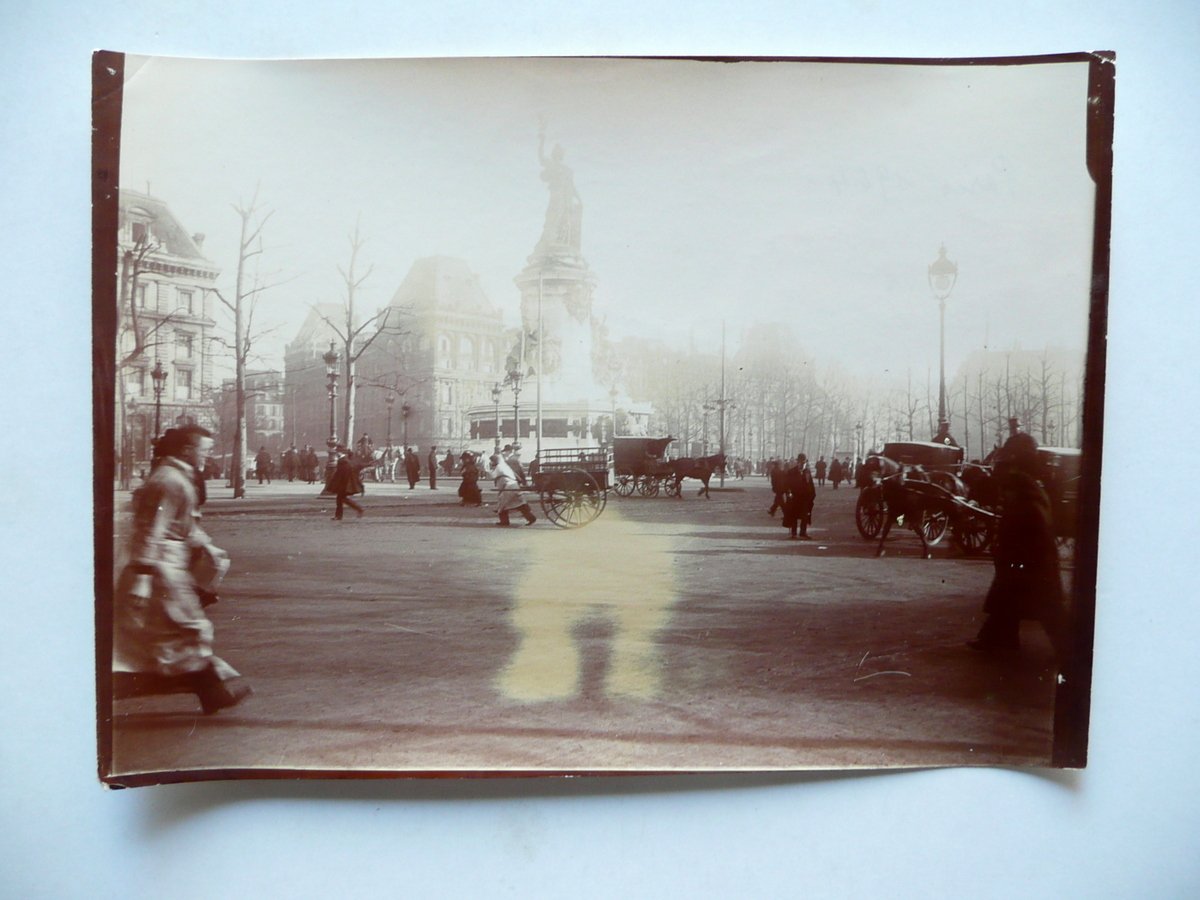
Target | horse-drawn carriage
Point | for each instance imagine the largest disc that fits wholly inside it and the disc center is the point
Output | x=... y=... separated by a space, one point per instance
x=924 y=483
x=572 y=483
x=943 y=494
x=639 y=465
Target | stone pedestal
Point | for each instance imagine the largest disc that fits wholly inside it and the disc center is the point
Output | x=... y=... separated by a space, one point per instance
x=558 y=291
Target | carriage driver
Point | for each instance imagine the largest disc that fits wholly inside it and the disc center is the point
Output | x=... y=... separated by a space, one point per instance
x=510 y=496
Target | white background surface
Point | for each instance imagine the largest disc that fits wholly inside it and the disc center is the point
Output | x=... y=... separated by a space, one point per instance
x=1127 y=826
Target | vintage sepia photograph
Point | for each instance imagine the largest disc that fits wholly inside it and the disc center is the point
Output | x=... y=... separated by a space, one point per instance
x=517 y=416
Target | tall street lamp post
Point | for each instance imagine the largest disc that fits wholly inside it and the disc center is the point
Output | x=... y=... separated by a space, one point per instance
x=496 y=403
x=127 y=455
x=515 y=377
x=159 y=374
x=405 y=412
x=612 y=395
x=390 y=400
x=942 y=276
x=331 y=376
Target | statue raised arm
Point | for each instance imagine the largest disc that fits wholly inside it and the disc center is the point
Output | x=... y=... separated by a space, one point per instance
x=564 y=212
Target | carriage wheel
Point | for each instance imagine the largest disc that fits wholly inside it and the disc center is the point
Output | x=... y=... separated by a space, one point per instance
x=624 y=486
x=671 y=487
x=934 y=525
x=973 y=533
x=647 y=486
x=870 y=513
x=575 y=504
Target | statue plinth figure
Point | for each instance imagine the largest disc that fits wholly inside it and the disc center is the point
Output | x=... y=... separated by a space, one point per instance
x=557 y=285
x=562 y=233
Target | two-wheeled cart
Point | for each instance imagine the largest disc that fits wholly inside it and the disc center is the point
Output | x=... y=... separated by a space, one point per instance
x=572 y=483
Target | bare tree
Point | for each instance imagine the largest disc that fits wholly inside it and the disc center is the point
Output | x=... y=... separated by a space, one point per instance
x=351 y=332
x=243 y=306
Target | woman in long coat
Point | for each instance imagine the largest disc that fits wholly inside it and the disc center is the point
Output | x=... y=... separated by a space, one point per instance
x=162 y=639
x=469 y=489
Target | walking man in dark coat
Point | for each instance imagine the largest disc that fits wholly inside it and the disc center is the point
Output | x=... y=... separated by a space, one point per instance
x=1026 y=584
x=775 y=472
x=262 y=465
x=432 y=462
x=821 y=471
x=412 y=467
x=344 y=482
x=801 y=494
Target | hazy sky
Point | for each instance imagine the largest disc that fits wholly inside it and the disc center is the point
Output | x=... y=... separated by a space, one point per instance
x=814 y=194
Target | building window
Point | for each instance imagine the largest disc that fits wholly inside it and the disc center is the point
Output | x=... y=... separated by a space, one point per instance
x=186 y=344
x=140 y=293
x=136 y=382
x=183 y=384
x=466 y=353
x=187 y=302
x=447 y=393
x=444 y=351
x=139 y=232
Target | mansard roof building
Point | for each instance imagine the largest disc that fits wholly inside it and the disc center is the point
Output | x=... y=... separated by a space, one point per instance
x=439 y=349
x=164 y=322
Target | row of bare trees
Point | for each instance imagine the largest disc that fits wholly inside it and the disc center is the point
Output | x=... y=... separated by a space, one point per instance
x=779 y=402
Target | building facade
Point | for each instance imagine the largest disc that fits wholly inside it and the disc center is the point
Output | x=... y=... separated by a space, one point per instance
x=438 y=350
x=265 y=418
x=165 y=326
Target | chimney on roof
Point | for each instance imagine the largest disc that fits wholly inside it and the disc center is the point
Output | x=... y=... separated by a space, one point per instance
x=198 y=240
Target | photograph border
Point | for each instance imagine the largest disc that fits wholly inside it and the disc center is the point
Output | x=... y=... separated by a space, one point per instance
x=1072 y=700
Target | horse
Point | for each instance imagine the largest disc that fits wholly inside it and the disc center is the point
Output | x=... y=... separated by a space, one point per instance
x=701 y=469
x=384 y=462
x=907 y=492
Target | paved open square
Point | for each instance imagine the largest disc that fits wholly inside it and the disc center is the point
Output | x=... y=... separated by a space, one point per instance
x=668 y=634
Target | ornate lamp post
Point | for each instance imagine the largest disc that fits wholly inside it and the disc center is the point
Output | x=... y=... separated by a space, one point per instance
x=127 y=455
x=515 y=378
x=496 y=403
x=331 y=375
x=942 y=276
x=390 y=400
x=612 y=395
x=858 y=441
x=405 y=412
x=159 y=374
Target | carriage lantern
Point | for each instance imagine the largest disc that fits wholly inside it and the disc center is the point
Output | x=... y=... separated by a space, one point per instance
x=943 y=274
x=159 y=374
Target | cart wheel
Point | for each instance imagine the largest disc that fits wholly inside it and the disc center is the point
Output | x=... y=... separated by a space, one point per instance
x=575 y=501
x=647 y=486
x=870 y=513
x=671 y=487
x=973 y=533
x=934 y=525
x=624 y=486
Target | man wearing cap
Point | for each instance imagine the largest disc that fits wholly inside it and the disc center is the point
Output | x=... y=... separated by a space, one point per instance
x=510 y=496
x=513 y=458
